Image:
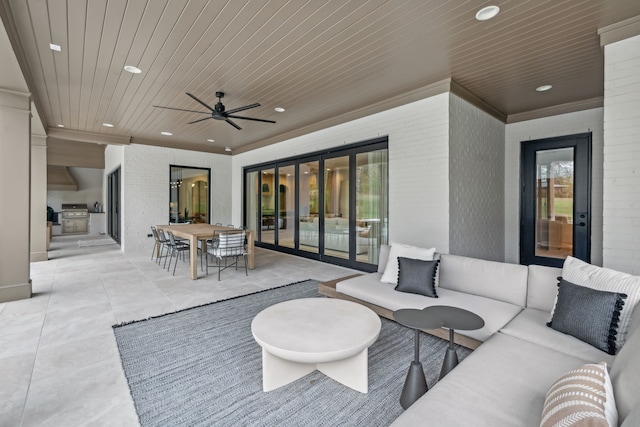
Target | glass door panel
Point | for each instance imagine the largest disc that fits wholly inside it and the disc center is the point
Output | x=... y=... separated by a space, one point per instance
x=286 y=204
x=268 y=212
x=336 y=207
x=251 y=202
x=371 y=204
x=309 y=206
x=554 y=203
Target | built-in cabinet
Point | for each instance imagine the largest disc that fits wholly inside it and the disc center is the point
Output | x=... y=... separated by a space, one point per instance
x=97 y=223
x=74 y=226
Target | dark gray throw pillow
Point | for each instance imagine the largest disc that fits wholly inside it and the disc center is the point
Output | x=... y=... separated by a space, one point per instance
x=417 y=276
x=588 y=314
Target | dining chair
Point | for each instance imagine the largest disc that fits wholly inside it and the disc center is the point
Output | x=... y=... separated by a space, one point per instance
x=164 y=244
x=157 y=245
x=177 y=249
x=225 y=245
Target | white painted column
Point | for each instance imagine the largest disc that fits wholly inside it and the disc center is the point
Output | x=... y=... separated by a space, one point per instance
x=621 y=187
x=39 y=231
x=15 y=194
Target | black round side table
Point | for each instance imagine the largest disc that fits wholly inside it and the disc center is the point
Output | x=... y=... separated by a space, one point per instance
x=415 y=385
x=453 y=318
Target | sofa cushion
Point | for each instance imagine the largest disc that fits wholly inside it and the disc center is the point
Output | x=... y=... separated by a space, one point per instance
x=369 y=288
x=625 y=371
x=502 y=383
x=579 y=397
x=588 y=314
x=542 y=287
x=417 y=276
x=584 y=274
x=495 y=280
x=531 y=325
x=399 y=250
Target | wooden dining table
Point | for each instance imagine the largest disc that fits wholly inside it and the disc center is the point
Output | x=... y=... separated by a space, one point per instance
x=201 y=233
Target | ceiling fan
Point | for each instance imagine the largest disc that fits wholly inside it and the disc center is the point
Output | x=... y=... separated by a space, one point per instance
x=219 y=112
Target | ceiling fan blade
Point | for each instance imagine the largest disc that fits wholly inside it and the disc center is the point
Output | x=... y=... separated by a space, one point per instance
x=246 y=107
x=250 y=118
x=199 y=120
x=197 y=100
x=180 y=109
x=233 y=124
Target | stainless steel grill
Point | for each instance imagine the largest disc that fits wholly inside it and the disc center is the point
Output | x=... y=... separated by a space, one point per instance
x=75 y=218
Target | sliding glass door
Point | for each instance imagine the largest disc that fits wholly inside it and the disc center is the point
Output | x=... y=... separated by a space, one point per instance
x=330 y=206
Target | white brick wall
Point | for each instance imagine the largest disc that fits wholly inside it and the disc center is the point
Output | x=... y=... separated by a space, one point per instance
x=476 y=182
x=621 y=208
x=418 y=166
x=563 y=124
x=145 y=195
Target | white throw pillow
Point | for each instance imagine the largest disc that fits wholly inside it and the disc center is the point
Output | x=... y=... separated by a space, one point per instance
x=604 y=279
x=390 y=274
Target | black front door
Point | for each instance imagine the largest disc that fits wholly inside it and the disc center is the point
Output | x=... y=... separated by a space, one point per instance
x=555 y=214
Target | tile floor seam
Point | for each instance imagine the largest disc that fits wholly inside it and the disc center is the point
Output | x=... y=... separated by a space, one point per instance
x=37 y=352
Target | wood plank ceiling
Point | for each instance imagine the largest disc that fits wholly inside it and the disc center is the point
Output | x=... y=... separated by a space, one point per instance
x=320 y=60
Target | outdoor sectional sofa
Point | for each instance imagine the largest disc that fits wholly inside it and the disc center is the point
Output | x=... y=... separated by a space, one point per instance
x=517 y=357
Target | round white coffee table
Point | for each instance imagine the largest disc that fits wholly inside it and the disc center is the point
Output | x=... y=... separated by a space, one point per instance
x=302 y=335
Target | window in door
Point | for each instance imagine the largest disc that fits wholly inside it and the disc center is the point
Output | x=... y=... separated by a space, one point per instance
x=555 y=211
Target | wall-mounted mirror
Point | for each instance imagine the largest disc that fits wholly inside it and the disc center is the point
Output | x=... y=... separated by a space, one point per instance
x=189 y=194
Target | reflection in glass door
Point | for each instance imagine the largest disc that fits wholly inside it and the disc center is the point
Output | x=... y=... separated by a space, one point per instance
x=268 y=205
x=336 y=207
x=286 y=203
x=252 y=196
x=308 y=205
x=372 y=210
x=554 y=203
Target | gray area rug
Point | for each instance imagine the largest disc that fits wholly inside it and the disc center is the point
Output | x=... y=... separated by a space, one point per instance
x=202 y=367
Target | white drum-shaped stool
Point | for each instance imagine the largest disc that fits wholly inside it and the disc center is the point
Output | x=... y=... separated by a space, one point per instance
x=302 y=335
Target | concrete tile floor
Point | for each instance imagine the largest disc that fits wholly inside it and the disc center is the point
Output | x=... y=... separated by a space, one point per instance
x=59 y=365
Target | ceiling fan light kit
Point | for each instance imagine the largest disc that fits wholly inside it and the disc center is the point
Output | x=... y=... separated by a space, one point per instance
x=219 y=112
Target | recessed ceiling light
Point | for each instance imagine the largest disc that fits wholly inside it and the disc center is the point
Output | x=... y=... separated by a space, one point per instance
x=55 y=47
x=132 y=69
x=166 y=133
x=280 y=109
x=227 y=149
x=211 y=140
x=60 y=126
x=487 y=13
x=543 y=88
x=107 y=125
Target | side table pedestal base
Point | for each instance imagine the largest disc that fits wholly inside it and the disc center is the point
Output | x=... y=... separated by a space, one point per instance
x=414 y=386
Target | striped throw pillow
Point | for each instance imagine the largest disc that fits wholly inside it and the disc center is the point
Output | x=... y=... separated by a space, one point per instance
x=604 y=279
x=581 y=397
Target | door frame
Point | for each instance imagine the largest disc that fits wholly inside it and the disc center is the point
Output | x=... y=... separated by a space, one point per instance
x=582 y=212
x=114 y=202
